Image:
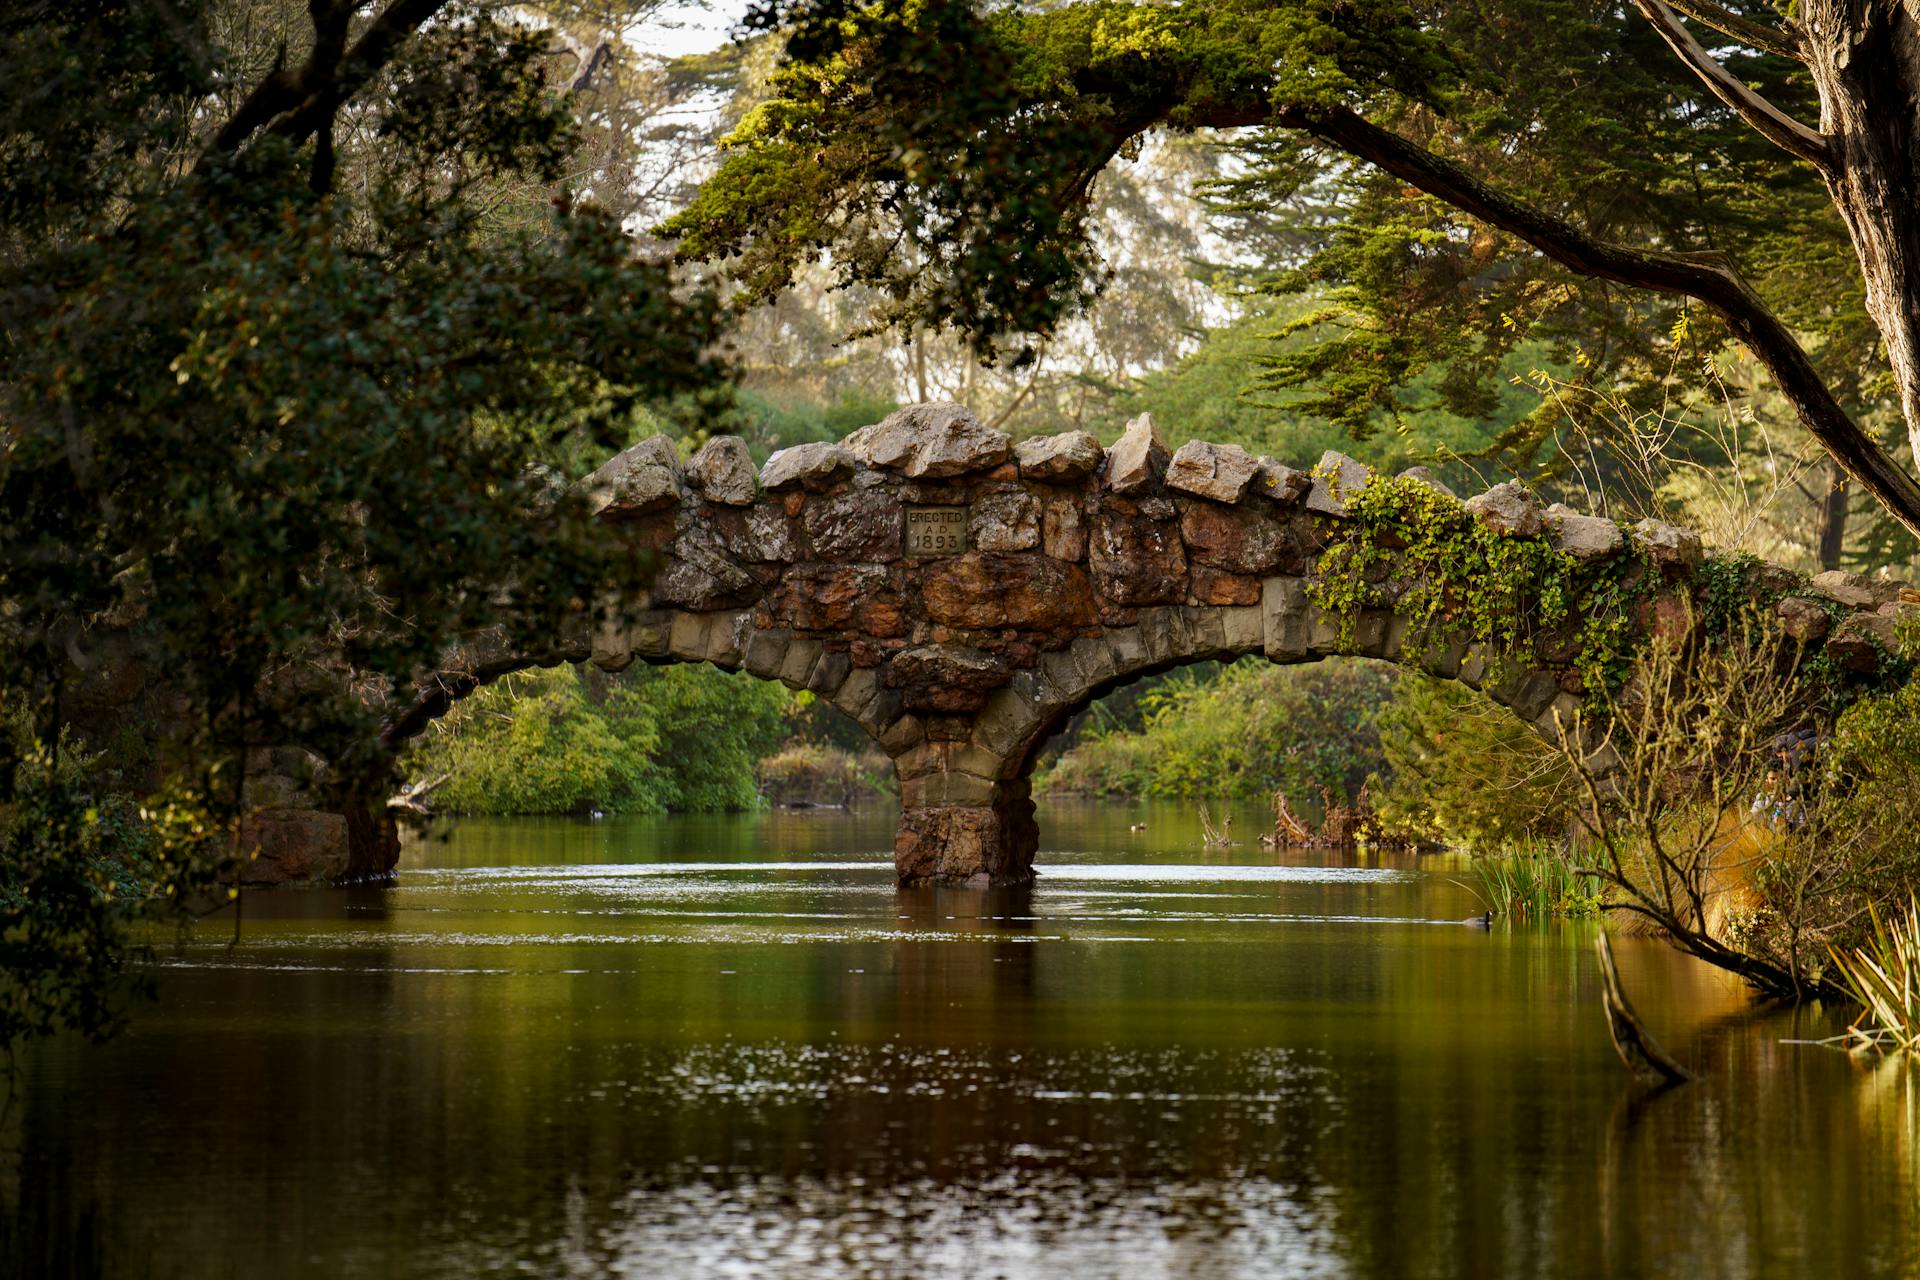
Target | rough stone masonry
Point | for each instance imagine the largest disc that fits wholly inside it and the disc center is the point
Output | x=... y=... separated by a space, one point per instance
x=961 y=596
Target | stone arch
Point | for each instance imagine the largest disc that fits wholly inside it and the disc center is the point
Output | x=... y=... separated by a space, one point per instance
x=959 y=597
x=967 y=809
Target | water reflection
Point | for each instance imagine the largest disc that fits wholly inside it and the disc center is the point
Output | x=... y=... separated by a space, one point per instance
x=587 y=1049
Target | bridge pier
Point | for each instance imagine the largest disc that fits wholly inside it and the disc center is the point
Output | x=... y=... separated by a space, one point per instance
x=973 y=844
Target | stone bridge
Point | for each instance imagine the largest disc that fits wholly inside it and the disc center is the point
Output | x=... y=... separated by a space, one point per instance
x=961 y=596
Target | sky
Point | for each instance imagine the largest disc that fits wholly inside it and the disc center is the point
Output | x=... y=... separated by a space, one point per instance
x=680 y=29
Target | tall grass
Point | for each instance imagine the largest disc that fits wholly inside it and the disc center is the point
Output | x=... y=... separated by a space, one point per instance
x=1884 y=976
x=1537 y=882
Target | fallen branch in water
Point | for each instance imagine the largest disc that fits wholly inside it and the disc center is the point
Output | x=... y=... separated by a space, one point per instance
x=1287 y=827
x=1215 y=837
x=1650 y=1064
x=413 y=796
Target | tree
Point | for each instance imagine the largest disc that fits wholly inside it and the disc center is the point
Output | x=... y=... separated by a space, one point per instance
x=288 y=335
x=968 y=142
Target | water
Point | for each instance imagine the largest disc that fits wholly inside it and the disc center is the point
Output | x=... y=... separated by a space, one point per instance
x=729 y=1047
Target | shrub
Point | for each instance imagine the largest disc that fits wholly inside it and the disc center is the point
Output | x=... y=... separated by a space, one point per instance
x=680 y=738
x=813 y=773
x=1251 y=730
x=1460 y=768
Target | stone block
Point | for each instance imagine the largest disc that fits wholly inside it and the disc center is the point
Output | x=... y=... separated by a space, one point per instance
x=829 y=673
x=1243 y=540
x=1136 y=560
x=688 y=638
x=919 y=759
x=722 y=471
x=986 y=590
x=816 y=467
x=1508 y=509
x=1066 y=458
x=1855 y=590
x=1860 y=640
x=611 y=650
x=1217 y=472
x=802 y=653
x=1280 y=482
x=288 y=845
x=1283 y=610
x=766 y=651
x=901 y=735
x=1243 y=630
x=1138 y=458
x=864 y=525
x=1206 y=630
x=1003 y=723
x=1802 y=619
x=945 y=788
x=1668 y=545
x=1063 y=526
x=856 y=692
x=930 y=441
x=648 y=634
x=1585 y=538
x=1004 y=521
x=965 y=757
x=636 y=481
x=1335 y=478
x=1208 y=585
x=1128 y=649
x=1421 y=475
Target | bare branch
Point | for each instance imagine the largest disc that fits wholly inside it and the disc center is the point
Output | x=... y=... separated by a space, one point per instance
x=1771 y=123
x=1784 y=43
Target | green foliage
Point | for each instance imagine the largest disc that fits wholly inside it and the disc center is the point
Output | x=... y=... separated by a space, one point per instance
x=770 y=424
x=940 y=157
x=1536 y=882
x=1461 y=769
x=1219 y=393
x=274 y=395
x=1251 y=730
x=1884 y=976
x=1408 y=547
x=80 y=867
x=945 y=155
x=651 y=740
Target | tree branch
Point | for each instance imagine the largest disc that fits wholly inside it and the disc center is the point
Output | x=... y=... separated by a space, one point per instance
x=1755 y=35
x=298 y=104
x=1771 y=123
x=382 y=40
x=1707 y=277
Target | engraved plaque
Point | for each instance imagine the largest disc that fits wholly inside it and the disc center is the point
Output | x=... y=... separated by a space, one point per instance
x=936 y=531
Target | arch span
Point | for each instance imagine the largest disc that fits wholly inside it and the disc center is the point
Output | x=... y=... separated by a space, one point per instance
x=959 y=597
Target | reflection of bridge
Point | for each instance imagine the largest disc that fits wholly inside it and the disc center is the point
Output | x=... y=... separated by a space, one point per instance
x=960 y=597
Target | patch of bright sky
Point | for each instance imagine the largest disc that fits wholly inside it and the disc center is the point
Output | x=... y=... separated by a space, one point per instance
x=676 y=30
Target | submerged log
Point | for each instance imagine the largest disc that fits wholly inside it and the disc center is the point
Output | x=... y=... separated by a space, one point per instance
x=1650 y=1064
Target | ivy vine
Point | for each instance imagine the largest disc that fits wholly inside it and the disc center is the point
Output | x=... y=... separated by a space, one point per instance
x=1410 y=548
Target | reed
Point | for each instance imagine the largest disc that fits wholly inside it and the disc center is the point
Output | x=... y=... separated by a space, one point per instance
x=1536 y=882
x=1884 y=976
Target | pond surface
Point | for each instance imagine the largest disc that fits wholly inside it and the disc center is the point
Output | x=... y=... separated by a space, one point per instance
x=730 y=1047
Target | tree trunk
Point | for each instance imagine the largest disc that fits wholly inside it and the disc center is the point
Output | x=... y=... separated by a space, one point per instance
x=1864 y=56
x=1833 y=518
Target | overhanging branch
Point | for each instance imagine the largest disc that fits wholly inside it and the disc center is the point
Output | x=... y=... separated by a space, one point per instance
x=1755 y=35
x=1706 y=277
x=1771 y=123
